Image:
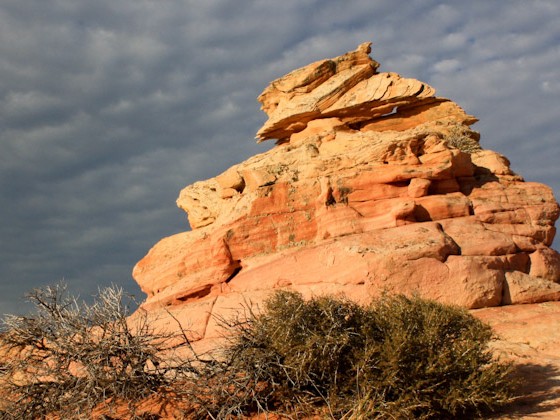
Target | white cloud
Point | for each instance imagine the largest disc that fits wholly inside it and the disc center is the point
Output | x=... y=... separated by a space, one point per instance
x=447 y=66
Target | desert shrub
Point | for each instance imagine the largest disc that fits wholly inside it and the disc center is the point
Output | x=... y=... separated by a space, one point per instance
x=286 y=358
x=68 y=358
x=462 y=139
x=398 y=358
x=431 y=361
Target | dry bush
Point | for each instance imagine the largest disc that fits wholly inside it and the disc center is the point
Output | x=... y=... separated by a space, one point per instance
x=69 y=358
x=431 y=361
x=398 y=358
x=461 y=138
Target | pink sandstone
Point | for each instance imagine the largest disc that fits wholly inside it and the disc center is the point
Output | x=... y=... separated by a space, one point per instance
x=374 y=185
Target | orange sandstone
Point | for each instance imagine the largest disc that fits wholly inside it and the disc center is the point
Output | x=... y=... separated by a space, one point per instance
x=375 y=185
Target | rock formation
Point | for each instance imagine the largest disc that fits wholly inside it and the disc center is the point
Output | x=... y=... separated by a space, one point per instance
x=375 y=185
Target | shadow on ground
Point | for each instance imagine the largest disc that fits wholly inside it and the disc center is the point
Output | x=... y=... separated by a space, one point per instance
x=538 y=392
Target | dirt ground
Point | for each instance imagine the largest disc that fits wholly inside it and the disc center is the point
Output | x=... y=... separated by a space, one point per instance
x=529 y=335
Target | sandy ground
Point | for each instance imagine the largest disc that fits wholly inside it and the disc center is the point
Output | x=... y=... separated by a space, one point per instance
x=530 y=336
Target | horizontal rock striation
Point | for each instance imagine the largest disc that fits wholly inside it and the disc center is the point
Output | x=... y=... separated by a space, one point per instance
x=375 y=185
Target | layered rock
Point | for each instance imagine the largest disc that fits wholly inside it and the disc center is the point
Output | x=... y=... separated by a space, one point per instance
x=375 y=185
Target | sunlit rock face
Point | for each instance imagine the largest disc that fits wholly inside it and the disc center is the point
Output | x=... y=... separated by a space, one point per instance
x=375 y=185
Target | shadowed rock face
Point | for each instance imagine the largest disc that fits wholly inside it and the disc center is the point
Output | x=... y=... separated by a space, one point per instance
x=375 y=185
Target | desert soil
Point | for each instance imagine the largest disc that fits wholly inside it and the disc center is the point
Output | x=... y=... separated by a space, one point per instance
x=529 y=335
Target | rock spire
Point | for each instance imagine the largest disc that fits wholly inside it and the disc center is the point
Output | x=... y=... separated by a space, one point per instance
x=375 y=184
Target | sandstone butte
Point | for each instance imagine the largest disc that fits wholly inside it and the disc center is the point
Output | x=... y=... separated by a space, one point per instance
x=375 y=185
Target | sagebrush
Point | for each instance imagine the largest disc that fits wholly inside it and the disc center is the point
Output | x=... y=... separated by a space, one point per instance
x=399 y=358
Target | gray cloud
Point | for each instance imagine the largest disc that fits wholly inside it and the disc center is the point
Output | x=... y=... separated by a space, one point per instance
x=109 y=108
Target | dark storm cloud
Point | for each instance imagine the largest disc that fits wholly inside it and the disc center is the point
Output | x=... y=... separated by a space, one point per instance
x=109 y=108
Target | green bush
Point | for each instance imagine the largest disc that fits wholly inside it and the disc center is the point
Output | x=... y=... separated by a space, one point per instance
x=398 y=358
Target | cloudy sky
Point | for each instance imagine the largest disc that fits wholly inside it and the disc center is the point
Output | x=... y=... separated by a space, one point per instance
x=109 y=107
